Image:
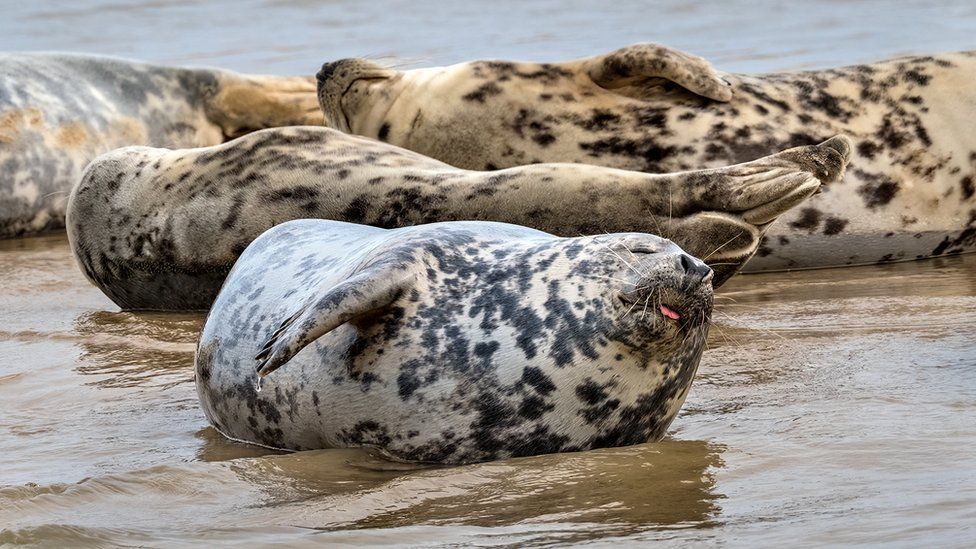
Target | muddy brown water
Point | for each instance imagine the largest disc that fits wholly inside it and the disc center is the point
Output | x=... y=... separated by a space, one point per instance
x=833 y=407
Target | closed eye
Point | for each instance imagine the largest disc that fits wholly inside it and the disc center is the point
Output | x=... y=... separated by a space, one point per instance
x=642 y=250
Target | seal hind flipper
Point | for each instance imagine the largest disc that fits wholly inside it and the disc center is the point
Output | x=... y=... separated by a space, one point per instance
x=636 y=63
x=363 y=293
x=750 y=197
x=763 y=189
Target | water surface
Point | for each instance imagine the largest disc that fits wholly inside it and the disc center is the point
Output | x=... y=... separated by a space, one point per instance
x=832 y=406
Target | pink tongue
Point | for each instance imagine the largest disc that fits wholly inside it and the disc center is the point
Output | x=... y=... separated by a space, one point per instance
x=669 y=313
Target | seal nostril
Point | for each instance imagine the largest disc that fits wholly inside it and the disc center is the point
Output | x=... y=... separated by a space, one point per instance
x=692 y=267
x=327 y=70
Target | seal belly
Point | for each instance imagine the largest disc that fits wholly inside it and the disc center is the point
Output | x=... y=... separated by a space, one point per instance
x=801 y=251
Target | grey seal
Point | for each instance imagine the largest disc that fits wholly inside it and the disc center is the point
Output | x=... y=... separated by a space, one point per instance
x=452 y=342
x=59 y=111
x=159 y=229
x=910 y=193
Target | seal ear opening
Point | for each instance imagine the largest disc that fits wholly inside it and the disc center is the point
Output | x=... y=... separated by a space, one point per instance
x=355 y=297
x=631 y=70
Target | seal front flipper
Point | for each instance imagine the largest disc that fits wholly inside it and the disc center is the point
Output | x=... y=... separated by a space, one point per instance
x=634 y=65
x=243 y=103
x=359 y=295
x=723 y=241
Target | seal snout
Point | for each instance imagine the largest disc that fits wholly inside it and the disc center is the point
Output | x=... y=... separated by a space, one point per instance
x=338 y=95
x=693 y=269
x=342 y=73
x=693 y=275
x=328 y=69
x=675 y=286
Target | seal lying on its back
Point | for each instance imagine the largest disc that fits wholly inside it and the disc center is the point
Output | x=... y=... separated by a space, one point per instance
x=910 y=193
x=59 y=111
x=452 y=342
x=159 y=229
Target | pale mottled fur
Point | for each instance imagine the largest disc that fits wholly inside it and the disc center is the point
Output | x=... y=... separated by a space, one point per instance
x=59 y=111
x=159 y=229
x=452 y=342
x=910 y=192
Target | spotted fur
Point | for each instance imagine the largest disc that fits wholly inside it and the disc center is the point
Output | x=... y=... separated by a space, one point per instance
x=910 y=192
x=59 y=111
x=159 y=229
x=452 y=342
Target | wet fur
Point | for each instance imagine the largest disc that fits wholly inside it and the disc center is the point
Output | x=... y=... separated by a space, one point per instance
x=501 y=341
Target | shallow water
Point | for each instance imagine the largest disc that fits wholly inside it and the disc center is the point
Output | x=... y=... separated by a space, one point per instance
x=832 y=407
x=297 y=36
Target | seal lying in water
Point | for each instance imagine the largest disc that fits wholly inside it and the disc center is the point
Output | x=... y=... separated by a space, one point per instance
x=59 y=111
x=452 y=342
x=910 y=193
x=160 y=229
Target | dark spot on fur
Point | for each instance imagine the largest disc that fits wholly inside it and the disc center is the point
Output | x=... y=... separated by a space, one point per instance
x=968 y=189
x=809 y=219
x=917 y=77
x=590 y=392
x=532 y=407
x=877 y=189
x=868 y=149
x=535 y=378
x=483 y=92
x=834 y=225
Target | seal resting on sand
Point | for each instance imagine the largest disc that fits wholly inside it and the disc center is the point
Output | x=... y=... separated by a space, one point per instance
x=910 y=193
x=160 y=229
x=59 y=111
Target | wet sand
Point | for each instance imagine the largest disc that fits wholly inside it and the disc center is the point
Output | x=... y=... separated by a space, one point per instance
x=832 y=407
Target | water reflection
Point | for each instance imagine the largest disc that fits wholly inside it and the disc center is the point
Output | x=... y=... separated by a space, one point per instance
x=665 y=484
x=138 y=349
x=215 y=447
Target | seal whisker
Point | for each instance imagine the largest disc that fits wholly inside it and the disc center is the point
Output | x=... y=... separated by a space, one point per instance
x=728 y=338
x=627 y=312
x=615 y=279
x=724 y=244
x=657 y=224
x=670 y=205
x=622 y=259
